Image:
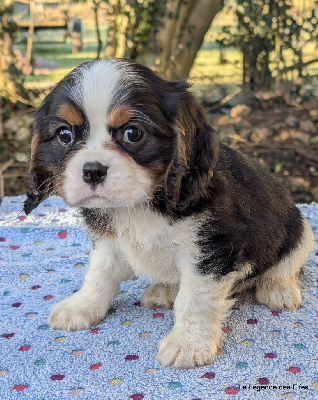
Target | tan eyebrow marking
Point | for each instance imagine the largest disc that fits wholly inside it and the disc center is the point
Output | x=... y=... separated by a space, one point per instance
x=70 y=114
x=119 y=116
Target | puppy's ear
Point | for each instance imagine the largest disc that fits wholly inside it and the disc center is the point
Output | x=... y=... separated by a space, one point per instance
x=39 y=180
x=196 y=154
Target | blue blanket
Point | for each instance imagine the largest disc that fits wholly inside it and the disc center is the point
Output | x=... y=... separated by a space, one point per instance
x=43 y=259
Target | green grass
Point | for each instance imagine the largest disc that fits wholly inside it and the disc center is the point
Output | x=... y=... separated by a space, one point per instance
x=212 y=80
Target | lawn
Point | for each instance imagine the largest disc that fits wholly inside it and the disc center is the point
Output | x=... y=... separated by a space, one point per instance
x=211 y=79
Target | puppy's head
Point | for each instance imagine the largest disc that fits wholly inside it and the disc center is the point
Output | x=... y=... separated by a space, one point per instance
x=112 y=132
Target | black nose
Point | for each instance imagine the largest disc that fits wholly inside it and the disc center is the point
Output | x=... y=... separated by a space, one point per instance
x=94 y=173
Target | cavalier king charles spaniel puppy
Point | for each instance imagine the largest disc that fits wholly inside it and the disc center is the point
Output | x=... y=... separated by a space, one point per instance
x=162 y=196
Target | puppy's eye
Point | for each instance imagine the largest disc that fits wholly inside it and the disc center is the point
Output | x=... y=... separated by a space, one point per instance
x=65 y=136
x=132 y=135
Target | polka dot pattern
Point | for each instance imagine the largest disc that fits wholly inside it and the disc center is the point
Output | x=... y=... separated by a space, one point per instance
x=43 y=259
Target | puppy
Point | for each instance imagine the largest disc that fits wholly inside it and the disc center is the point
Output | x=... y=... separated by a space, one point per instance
x=163 y=197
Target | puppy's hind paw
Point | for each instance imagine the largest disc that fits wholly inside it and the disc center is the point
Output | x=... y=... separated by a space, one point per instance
x=279 y=297
x=159 y=295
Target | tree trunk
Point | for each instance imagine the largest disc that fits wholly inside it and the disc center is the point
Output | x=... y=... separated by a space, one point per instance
x=167 y=34
x=112 y=30
x=197 y=22
x=99 y=40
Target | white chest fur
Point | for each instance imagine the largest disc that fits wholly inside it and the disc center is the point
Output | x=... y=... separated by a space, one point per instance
x=152 y=244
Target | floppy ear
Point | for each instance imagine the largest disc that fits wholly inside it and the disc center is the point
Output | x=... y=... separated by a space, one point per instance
x=39 y=180
x=195 y=156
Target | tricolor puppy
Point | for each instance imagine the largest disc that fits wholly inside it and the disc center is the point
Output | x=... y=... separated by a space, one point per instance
x=163 y=197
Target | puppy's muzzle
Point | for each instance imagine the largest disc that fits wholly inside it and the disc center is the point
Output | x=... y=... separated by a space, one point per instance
x=94 y=173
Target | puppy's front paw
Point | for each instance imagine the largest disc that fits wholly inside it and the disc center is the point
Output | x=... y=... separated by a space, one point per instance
x=176 y=350
x=76 y=313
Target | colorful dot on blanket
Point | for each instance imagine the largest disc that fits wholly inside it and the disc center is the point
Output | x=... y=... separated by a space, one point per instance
x=50 y=271
x=299 y=346
x=174 y=385
x=248 y=342
x=16 y=305
x=35 y=287
x=95 y=331
x=263 y=381
x=226 y=330
x=145 y=334
x=131 y=357
x=77 y=391
x=60 y=339
x=12 y=247
x=65 y=280
x=20 y=387
x=25 y=348
x=8 y=335
x=48 y=297
x=2 y=239
x=241 y=365
x=232 y=390
x=38 y=242
x=40 y=362
x=23 y=277
x=152 y=370
x=275 y=333
x=57 y=377
x=270 y=355
x=77 y=353
x=3 y=372
x=113 y=343
x=62 y=234
x=293 y=370
x=208 y=375
x=95 y=366
x=137 y=396
x=115 y=381
x=251 y=321
x=22 y=218
x=79 y=265
x=127 y=323
x=32 y=315
x=158 y=315
x=44 y=327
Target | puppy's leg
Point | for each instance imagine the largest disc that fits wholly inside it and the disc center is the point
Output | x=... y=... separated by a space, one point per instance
x=200 y=307
x=89 y=305
x=279 y=287
x=159 y=295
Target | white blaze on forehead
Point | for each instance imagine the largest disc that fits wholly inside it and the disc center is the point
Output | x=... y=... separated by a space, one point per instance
x=98 y=85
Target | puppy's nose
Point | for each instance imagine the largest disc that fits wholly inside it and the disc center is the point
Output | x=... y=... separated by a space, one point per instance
x=94 y=173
